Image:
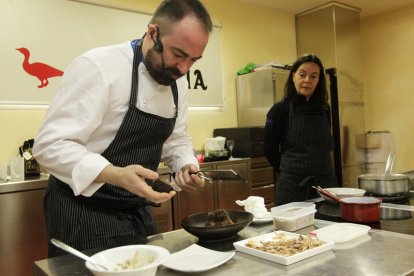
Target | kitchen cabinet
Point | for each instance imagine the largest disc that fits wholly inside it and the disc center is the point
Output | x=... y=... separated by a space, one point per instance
x=263 y=180
x=219 y=194
x=230 y=191
x=22 y=228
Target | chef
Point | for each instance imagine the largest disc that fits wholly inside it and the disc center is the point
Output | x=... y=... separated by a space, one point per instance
x=298 y=140
x=119 y=111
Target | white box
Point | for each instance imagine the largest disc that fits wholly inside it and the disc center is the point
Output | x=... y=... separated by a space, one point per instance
x=293 y=216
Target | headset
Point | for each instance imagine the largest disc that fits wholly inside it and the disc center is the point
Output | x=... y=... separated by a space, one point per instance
x=157 y=42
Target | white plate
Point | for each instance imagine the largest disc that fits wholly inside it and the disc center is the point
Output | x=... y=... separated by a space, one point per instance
x=197 y=259
x=285 y=260
x=265 y=219
x=342 y=232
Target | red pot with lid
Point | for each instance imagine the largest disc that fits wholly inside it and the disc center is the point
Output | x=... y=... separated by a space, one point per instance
x=360 y=209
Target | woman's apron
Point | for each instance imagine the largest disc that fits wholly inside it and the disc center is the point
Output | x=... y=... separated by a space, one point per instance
x=306 y=161
x=112 y=216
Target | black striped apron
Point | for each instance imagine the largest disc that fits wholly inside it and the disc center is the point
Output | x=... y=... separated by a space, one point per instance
x=112 y=216
x=306 y=160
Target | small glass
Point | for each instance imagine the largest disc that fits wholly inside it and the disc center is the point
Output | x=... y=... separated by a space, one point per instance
x=230 y=146
x=3 y=173
x=17 y=169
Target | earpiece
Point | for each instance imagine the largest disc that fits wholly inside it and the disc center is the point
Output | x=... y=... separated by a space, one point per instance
x=157 y=42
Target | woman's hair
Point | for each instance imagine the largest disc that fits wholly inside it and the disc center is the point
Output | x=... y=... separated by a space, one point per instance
x=320 y=96
x=173 y=11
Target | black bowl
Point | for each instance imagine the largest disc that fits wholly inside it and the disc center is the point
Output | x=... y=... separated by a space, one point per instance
x=196 y=225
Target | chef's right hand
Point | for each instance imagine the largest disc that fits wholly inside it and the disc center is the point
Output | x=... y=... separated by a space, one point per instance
x=132 y=178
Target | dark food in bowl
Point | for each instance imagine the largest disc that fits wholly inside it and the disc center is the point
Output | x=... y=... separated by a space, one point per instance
x=196 y=225
x=218 y=217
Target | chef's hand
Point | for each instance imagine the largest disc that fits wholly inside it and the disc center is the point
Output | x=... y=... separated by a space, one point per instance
x=187 y=179
x=132 y=178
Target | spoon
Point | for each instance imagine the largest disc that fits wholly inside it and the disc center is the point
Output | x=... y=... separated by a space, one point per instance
x=389 y=164
x=77 y=253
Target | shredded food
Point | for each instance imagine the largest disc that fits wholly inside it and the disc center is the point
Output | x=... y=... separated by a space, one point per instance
x=133 y=263
x=285 y=246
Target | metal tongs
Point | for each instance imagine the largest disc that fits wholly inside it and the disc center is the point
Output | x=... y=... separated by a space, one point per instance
x=209 y=175
x=201 y=175
x=216 y=175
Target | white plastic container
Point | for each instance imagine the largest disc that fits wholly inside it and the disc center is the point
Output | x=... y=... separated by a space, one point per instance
x=293 y=216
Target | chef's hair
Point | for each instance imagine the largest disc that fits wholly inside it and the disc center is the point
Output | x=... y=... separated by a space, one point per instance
x=320 y=96
x=173 y=11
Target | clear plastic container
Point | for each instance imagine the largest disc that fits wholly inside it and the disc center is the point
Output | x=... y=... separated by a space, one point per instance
x=293 y=216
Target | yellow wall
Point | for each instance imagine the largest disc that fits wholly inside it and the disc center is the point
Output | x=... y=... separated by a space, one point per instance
x=249 y=34
x=254 y=34
x=388 y=72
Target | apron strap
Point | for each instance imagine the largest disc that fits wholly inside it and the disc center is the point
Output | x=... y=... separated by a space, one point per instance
x=138 y=58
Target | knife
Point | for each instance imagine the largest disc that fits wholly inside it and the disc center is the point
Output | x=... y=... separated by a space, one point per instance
x=209 y=175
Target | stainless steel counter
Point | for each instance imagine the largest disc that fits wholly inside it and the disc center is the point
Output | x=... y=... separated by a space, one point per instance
x=382 y=253
x=32 y=183
x=40 y=182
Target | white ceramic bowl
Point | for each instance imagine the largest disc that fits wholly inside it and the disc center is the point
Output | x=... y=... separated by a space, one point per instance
x=148 y=257
x=343 y=192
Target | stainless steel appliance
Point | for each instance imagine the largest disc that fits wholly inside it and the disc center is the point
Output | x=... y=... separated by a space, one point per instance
x=256 y=93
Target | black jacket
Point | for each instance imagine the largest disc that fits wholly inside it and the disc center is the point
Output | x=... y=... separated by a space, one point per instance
x=277 y=124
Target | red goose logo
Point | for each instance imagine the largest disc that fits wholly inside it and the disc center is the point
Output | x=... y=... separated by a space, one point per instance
x=39 y=70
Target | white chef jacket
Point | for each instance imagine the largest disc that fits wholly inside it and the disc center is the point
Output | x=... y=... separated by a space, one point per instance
x=88 y=110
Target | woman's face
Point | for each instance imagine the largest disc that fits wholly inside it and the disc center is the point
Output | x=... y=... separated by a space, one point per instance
x=306 y=79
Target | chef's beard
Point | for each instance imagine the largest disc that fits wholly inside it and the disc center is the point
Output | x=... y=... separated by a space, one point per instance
x=161 y=74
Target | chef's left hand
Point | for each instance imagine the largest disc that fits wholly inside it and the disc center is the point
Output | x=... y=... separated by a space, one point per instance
x=187 y=179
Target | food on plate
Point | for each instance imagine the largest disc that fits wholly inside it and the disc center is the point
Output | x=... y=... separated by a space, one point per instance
x=218 y=217
x=134 y=262
x=285 y=246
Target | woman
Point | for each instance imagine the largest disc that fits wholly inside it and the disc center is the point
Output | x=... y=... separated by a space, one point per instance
x=298 y=140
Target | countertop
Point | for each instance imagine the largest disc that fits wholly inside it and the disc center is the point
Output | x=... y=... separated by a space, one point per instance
x=380 y=253
x=30 y=183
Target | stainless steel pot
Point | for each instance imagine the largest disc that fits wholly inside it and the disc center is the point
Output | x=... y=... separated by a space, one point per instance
x=384 y=185
x=387 y=184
